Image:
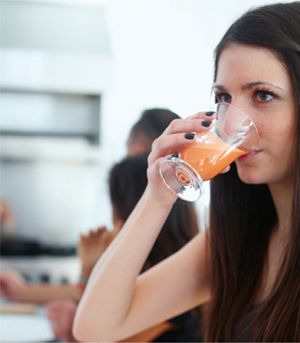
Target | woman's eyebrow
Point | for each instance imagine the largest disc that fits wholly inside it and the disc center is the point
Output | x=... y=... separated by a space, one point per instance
x=252 y=84
x=219 y=87
x=248 y=85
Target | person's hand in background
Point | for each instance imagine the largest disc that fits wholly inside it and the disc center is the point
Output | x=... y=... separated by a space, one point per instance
x=91 y=246
x=6 y=215
x=61 y=314
x=13 y=286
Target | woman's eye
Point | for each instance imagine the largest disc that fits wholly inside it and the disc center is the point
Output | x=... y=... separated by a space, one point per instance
x=223 y=97
x=264 y=96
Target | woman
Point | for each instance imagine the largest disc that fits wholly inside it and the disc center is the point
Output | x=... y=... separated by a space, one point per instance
x=246 y=266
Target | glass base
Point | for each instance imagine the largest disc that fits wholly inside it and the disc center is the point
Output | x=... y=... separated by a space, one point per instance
x=181 y=178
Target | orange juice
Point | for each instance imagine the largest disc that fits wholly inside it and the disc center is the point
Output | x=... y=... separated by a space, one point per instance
x=209 y=155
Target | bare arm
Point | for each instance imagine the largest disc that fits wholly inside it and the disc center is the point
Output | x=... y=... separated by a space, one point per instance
x=117 y=303
x=14 y=287
x=43 y=293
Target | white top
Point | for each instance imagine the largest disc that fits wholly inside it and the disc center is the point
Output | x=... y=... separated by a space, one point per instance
x=202 y=207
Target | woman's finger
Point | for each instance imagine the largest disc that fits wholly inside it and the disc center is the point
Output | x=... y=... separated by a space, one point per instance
x=225 y=170
x=208 y=115
x=185 y=125
x=170 y=144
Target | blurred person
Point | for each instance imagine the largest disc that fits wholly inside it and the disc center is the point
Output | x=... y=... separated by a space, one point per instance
x=148 y=127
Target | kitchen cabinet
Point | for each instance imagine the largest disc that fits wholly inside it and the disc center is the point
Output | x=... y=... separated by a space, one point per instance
x=56 y=66
x=53 y=75
x=48 y=114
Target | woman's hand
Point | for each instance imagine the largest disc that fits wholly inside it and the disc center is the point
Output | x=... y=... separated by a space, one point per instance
x=177 y=135
x=61 y=315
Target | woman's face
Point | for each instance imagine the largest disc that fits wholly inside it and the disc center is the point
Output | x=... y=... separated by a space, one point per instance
x=254 y=80
x=137 y=145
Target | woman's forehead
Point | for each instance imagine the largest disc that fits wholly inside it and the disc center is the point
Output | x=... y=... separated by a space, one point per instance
x=244 y=64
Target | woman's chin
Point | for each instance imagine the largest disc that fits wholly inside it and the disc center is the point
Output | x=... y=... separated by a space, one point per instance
x=249 y=176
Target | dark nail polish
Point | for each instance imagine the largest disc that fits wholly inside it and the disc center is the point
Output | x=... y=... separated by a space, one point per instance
x=189 y=135
x=175 y=155
x=206 y=123
x=209 y=113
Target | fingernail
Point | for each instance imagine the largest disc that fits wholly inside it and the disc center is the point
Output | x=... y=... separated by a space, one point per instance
x=209 y=113
x=189 y=135
x=206 y=123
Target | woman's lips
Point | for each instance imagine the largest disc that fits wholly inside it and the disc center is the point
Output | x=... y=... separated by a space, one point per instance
x=248 y=155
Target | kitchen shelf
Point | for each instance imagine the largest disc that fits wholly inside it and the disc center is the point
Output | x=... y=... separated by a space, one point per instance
x=43 y=114
x=35 y=149
x=92 y=138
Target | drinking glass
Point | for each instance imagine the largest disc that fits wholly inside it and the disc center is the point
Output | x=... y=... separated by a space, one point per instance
x=232 y=135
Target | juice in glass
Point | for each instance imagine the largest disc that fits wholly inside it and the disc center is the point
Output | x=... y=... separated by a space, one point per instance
x=209 y=155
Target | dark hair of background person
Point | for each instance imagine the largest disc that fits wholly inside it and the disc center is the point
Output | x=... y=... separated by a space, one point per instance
x=127 y=182
x=243 y=216
x=151 y=124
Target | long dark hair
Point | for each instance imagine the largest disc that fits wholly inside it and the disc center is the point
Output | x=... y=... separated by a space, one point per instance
x=127 y=182
x=243 y=216
x=179 y=228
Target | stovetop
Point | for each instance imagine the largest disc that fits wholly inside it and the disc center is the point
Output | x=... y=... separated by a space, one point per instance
x=20 y=246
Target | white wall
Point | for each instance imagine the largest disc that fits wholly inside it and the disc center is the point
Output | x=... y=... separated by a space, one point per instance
x=163 y=56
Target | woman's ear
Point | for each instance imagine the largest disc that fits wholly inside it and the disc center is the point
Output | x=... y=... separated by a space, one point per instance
x=117 y=222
